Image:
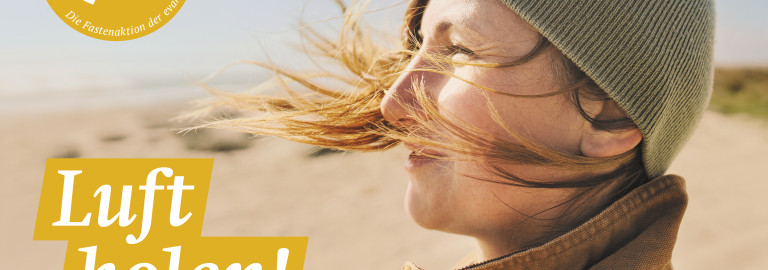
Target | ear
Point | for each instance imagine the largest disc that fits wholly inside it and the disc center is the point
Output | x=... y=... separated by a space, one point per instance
x=602 y=143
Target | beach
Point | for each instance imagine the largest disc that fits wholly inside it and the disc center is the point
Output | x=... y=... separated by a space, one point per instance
x=350 y=205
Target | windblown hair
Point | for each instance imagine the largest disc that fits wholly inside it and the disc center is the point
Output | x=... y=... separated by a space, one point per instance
x=349 y=117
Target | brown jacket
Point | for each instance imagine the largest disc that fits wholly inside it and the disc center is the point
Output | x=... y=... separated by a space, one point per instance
x=636 y=232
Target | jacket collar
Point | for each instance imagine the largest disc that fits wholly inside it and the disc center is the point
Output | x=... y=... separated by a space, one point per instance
x=637 y=231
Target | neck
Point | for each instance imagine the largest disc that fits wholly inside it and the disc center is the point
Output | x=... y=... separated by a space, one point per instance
x=488 y=250
x=497 y=245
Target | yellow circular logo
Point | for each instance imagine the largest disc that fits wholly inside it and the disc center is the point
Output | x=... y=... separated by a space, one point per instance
x=116 y=20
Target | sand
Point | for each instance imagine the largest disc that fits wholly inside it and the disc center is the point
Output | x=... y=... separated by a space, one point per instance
x=351 y=204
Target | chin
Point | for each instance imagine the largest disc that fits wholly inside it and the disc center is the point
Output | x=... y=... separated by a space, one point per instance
x=422 y=211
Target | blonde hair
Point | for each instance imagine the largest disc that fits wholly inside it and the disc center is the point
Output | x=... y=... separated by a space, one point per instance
x=351 y=119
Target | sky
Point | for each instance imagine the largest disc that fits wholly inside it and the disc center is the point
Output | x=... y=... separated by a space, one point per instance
x=40 y=53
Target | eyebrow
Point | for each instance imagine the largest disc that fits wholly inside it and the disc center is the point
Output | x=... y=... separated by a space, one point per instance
x=443 y=27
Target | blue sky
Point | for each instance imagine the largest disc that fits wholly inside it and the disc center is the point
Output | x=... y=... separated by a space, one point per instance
x=37 y=50
x=742 y=32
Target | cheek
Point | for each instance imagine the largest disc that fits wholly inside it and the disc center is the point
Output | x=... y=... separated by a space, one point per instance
x=550 y=121
x=459 y=101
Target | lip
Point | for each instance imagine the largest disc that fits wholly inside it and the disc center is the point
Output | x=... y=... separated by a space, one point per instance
x=418 y=158
x=420 y=149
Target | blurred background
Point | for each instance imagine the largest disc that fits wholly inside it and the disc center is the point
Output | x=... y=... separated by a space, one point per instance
x=63 y=94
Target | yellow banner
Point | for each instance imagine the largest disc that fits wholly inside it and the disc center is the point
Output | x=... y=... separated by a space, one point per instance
x=146 y=214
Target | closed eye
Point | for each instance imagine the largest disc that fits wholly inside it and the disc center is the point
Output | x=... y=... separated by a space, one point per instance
x=458 y=49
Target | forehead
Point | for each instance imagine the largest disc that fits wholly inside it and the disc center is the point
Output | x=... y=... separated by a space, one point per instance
x=491 y=20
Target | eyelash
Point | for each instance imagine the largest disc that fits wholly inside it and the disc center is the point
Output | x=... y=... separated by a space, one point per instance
x=457 y=49
x=453 y=49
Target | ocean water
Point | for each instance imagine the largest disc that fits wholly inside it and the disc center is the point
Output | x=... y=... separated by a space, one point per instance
x=57 y=91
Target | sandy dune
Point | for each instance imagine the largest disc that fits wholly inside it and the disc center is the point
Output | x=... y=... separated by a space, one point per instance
x=350 y=204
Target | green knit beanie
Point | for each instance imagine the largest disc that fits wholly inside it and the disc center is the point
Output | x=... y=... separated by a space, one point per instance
x=653 y=57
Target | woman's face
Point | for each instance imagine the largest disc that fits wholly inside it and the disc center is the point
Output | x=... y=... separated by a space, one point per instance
x=440 y=194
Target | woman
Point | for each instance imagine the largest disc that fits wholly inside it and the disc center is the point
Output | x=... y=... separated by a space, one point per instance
x=540 y=128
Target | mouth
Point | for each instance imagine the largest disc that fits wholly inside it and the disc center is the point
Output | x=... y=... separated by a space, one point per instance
x=421 y=156
x=423 y=151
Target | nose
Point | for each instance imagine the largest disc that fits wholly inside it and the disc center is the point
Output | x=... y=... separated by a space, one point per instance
x=400 y=102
